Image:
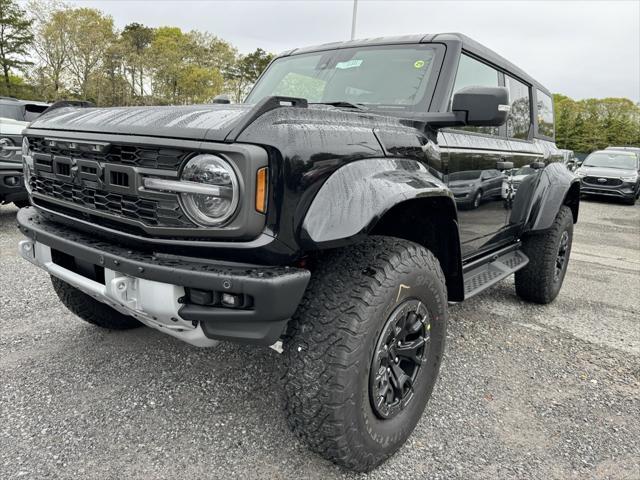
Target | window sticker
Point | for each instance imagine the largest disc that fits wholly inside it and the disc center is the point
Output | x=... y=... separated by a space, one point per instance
x=349 y=64
x=419 y=64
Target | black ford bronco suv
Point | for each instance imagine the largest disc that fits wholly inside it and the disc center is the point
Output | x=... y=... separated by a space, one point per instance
x=318 y=213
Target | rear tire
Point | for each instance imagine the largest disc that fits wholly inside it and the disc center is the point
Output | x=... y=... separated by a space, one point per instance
x=90 y=310
x=335 y=356
x=540 y=281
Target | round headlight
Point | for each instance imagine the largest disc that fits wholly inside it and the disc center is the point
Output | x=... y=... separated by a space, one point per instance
x=217 y=198
x=27 y=164
x=5 y=142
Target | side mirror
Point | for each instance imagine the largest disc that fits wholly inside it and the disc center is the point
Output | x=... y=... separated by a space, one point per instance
x=221 y=99
x=537 y=165
x=482 y=106
x=504 y=166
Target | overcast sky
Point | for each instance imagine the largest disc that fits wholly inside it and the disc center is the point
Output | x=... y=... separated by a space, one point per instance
x=579 y=48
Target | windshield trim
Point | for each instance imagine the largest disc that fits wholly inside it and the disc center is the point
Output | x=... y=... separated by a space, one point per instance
x=421 y=106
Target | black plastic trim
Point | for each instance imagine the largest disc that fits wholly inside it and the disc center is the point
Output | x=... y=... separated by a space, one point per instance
x=276 y=291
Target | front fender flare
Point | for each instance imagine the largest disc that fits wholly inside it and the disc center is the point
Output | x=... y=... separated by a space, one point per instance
x=358 y=194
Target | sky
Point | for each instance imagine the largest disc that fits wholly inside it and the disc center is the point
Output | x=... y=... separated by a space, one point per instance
x=581 y=48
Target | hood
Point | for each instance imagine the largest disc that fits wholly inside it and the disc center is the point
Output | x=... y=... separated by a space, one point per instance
x=607 y=172
x=11 y=127
x=189 y=122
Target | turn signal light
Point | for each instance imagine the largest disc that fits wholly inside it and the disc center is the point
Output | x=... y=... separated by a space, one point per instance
x=261 y=190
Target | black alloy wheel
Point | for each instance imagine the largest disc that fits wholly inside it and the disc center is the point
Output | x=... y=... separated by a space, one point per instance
x=562 y=257
x=400 y=352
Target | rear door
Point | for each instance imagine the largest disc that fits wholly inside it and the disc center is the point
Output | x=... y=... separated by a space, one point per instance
x=472 y=157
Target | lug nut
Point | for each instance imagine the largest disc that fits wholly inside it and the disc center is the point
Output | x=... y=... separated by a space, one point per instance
x=397 y=360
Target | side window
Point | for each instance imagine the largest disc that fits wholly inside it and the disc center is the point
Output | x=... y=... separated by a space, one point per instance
x=519 y=120
x=545 y=114
x=473 y=72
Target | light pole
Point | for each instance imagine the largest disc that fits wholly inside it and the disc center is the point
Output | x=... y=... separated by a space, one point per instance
x=353 y=19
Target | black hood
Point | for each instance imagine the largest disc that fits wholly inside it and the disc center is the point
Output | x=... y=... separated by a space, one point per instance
x=192 y=122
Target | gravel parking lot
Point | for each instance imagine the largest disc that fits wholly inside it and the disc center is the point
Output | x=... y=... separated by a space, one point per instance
x=526 y=391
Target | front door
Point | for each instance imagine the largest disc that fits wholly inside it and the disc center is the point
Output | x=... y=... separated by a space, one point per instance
x=472 y=156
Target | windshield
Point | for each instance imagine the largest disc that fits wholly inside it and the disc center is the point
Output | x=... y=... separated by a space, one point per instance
x=610 y=159
x=392 y=76
x=525 y=171
x=466 y=175
x=14 y=112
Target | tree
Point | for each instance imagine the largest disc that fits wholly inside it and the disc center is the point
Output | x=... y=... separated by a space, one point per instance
x=179 y=74
x=90 y=36
x=247 y=70
x=136 y=39
x=15 y=39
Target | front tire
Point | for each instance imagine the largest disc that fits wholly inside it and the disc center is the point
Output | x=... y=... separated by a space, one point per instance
x=540 y=281
x=477 y=200
x=352 y=400
x=90 y=310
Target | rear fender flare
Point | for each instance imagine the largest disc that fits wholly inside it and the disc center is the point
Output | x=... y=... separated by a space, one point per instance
x=552 y=191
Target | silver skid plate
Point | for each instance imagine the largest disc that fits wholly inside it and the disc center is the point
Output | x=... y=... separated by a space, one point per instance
x=153 y=303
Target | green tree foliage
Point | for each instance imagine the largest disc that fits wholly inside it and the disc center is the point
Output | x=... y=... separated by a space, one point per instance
x=90 y=36
x=592 y=124
x=247 y=70
x=135 y=41
x=15 y=39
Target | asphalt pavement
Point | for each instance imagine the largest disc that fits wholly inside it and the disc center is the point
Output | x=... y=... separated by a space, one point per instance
x=525 y=391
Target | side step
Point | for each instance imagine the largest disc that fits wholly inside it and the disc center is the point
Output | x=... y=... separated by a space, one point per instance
x=480 y=277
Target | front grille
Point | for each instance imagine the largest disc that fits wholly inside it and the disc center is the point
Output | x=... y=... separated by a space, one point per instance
x=163 y=213
x=163 y=158
x=609 y=182
x=103 y=179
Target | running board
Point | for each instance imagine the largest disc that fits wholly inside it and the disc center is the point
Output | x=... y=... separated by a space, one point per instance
x=487 y=274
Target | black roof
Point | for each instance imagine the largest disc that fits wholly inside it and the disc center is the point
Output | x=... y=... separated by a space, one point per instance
x=17 y=101
x=468 y=44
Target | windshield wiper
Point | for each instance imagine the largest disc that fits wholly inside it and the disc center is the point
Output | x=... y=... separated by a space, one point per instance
x=359 y=106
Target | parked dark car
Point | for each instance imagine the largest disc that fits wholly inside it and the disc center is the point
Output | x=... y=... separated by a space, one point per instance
x=470 y=188
x=15 y=115
x=319 y=213
x=612 y=173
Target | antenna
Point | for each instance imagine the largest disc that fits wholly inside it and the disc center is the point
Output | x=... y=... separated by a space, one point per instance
x=353 y=19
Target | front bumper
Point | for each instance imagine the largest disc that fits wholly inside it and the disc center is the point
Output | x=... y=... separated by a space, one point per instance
x=11 y=183
x=155 y=288
x=626 y=190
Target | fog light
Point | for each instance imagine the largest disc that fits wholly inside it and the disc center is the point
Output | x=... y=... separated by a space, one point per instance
x=12 y=181
x=231 y=300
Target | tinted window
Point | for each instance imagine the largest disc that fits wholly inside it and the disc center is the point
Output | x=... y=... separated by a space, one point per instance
x=14 y=112
x=519 y=120
x=465 y=175
x=473 y=72
x=390 y=76
x=545 y=114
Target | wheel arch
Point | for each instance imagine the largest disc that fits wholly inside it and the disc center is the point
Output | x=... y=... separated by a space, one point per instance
x=430 y=222
x=387 y=196
x=556 y=187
